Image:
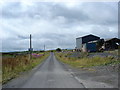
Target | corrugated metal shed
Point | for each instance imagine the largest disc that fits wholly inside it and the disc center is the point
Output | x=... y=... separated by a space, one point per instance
x=112 y=43
x=88 y=38
x=85 y=39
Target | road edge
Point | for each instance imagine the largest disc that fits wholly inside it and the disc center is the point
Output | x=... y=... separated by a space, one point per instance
x=23 y=77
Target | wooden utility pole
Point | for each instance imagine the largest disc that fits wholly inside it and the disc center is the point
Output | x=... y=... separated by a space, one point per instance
x=44 y=49
x=30 y=42
x=30 y=49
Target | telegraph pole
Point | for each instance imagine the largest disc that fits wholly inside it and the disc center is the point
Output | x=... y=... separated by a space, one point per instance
x=44 y=49
x=30 y=42
x=30 y=49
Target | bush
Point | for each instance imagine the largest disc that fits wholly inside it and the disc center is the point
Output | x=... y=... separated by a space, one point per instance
x=58 y=49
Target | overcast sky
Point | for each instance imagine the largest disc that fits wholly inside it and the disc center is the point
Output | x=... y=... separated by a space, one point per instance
x=55 y=24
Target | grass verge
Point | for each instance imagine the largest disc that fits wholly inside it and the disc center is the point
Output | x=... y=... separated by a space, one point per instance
x=13 y=66
x=85 y=61
x=115 y=52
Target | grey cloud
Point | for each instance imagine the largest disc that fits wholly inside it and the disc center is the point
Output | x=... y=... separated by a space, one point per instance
x=101 y=13
x=15 y=10
x=22 y=37
x=52 y=40
x=53 y=36
x=11 y=10
x=87 y=13
x=103 y=31
x=13 y=44
x=59 y=23
x=69 y=14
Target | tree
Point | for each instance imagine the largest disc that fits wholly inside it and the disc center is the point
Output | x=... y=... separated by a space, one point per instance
x=58 y=49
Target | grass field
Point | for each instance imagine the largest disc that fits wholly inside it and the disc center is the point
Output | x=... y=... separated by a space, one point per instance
x=115 y=52
x=12 y=65
x=0 y=69
x=85 y=61
x=1 y=78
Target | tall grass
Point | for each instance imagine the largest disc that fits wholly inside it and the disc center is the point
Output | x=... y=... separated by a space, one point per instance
x=0 y=69
x=85 y=61
x=12 y=66
x=115 y=52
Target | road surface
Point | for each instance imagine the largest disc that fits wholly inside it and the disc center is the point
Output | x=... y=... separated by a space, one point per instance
x=52 y=74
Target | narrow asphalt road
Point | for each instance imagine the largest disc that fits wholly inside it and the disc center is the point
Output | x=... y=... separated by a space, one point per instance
x=52 y=74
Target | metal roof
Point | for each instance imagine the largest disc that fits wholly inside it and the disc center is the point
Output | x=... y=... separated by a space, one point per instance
x=87 y=35
x=112 y=39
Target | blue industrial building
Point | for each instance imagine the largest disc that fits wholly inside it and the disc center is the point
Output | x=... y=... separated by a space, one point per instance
x=81 y=41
